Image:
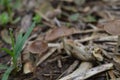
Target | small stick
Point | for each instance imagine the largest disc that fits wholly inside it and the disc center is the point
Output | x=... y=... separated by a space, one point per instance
x=84 y=66
x=94 y=71
x=87 y=31
x=46 y=56
x=87 y=39
x=107 y=38
x=118 y=44
x=70 y=69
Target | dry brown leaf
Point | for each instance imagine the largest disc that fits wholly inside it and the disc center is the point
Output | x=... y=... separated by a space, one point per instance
x=112 y=27
x=5 y=36
x=58 y=32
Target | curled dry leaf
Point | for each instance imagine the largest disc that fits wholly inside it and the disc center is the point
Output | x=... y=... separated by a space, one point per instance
x=37 y=47
x=97 y=54
x=58 y=32
x=5 y=36
x=28 y=67
x=78 y=50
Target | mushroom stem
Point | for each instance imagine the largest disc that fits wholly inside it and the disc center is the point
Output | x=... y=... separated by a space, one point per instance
x=118 y=44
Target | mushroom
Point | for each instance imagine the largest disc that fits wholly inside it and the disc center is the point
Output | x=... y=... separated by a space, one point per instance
x=59 y=32
x=38 y=47
x=113 y=27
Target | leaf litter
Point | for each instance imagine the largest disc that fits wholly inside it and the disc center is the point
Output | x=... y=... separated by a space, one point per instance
x=74 y=39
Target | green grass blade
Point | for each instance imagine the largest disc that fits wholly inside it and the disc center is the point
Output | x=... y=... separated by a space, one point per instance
x=8 y=51
x=7 y=73
x=22 y=41
x=18 y=41
x=12 y=38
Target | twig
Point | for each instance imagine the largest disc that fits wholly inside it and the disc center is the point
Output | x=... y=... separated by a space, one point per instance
x=84 y=66
x=87 y=39
x=70 y=69
x=88 y=31
x=107 y=38
x=46 y=56
x=94 y=71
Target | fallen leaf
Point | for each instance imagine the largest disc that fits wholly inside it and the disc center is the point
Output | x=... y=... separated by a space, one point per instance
x=5 y=36
x=112 y=27
x=58 y=32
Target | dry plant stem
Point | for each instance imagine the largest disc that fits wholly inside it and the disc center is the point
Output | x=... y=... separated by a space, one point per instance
x=93 y=71
x=88 y=31
x=59 y=63
x=115 y=79
x=117 y=46
x=57 y=22
x=66 y=47
x=107 y=38
x=112 y=75
x=100 y=38
x=109 y=56
x=84 y=66
x=70 y=69
x=55 y=45
x=92 y=26
x=46 y=56
x=87 y=39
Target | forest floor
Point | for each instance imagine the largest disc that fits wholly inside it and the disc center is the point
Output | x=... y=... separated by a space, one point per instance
x=70 y=40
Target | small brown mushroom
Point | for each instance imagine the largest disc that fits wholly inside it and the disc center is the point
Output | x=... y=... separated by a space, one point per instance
x=37 y=47
x=58 y=32
x=113 y=27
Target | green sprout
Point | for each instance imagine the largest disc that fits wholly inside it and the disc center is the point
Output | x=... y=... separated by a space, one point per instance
x=16 y=51
x=9 y=6
x=37 y=18
x=4 y=18
x=89 y=18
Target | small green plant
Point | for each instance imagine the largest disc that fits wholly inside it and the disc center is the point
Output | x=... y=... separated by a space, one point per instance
x=89 y=18
x=37 y=18
x=9 y=6
x=4 y=18
x=16 y=51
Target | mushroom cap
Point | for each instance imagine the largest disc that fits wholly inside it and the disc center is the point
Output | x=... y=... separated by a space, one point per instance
x=58 y=32
x=112 y=27
x=37 y=46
